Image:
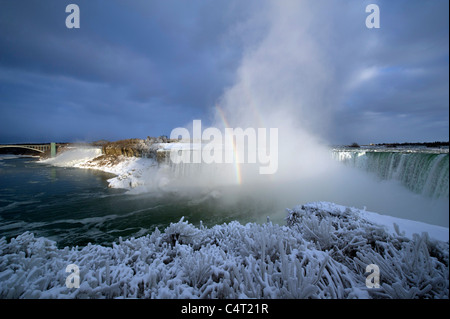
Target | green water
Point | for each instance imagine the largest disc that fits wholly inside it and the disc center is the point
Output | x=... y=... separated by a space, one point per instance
x=75 y=206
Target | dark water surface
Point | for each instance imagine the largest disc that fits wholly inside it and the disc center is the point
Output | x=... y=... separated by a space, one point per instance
x=75 y=206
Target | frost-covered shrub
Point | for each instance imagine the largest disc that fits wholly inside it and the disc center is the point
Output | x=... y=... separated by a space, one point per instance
x=407 y=268
x=409 y=271
x=321 y=253
x=181 y=232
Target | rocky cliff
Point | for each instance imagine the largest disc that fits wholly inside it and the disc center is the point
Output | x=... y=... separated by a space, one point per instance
x=136 y=147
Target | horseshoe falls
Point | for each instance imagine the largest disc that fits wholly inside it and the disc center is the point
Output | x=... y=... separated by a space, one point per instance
x=422 y=172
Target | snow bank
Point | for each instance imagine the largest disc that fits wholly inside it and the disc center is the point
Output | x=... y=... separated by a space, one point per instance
x=322 y=252
x=133 y=173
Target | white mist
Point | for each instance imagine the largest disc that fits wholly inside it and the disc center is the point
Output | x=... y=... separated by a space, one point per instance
x=290 y=81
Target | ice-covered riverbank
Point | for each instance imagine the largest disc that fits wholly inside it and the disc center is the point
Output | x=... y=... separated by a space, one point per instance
x=133 y=173
x=322 y=252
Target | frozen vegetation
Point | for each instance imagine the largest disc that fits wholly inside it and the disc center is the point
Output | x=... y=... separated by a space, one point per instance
x=321 y=252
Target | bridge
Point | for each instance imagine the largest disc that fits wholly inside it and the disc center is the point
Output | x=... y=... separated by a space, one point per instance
x=41 y=148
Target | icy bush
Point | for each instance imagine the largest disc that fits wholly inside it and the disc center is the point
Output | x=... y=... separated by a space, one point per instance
x=322 y=252
x=181 y=232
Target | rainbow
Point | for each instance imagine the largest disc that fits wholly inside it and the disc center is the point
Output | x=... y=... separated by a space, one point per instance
x=237 y=167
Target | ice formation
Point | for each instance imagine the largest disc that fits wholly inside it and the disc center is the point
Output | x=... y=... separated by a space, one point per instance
x=321 y=252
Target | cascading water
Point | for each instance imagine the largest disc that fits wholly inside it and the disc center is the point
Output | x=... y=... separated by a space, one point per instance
x=191 y=174
x=426 y=173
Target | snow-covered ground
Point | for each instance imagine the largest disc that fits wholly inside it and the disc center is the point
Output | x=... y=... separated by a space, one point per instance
x=322 y=252
x=392 y=224
x=133 y=173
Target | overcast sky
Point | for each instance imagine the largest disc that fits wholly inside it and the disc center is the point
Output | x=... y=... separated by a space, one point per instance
x=139 y=68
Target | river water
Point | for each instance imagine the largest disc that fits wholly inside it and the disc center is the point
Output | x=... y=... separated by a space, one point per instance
x=75 y=206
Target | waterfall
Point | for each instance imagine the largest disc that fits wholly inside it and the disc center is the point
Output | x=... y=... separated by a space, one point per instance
x=425 y=173
x=202 y=174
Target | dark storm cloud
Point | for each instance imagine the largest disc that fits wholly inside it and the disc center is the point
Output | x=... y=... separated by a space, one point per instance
x=398 y=83
x=138 y=68
x=135 y=67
